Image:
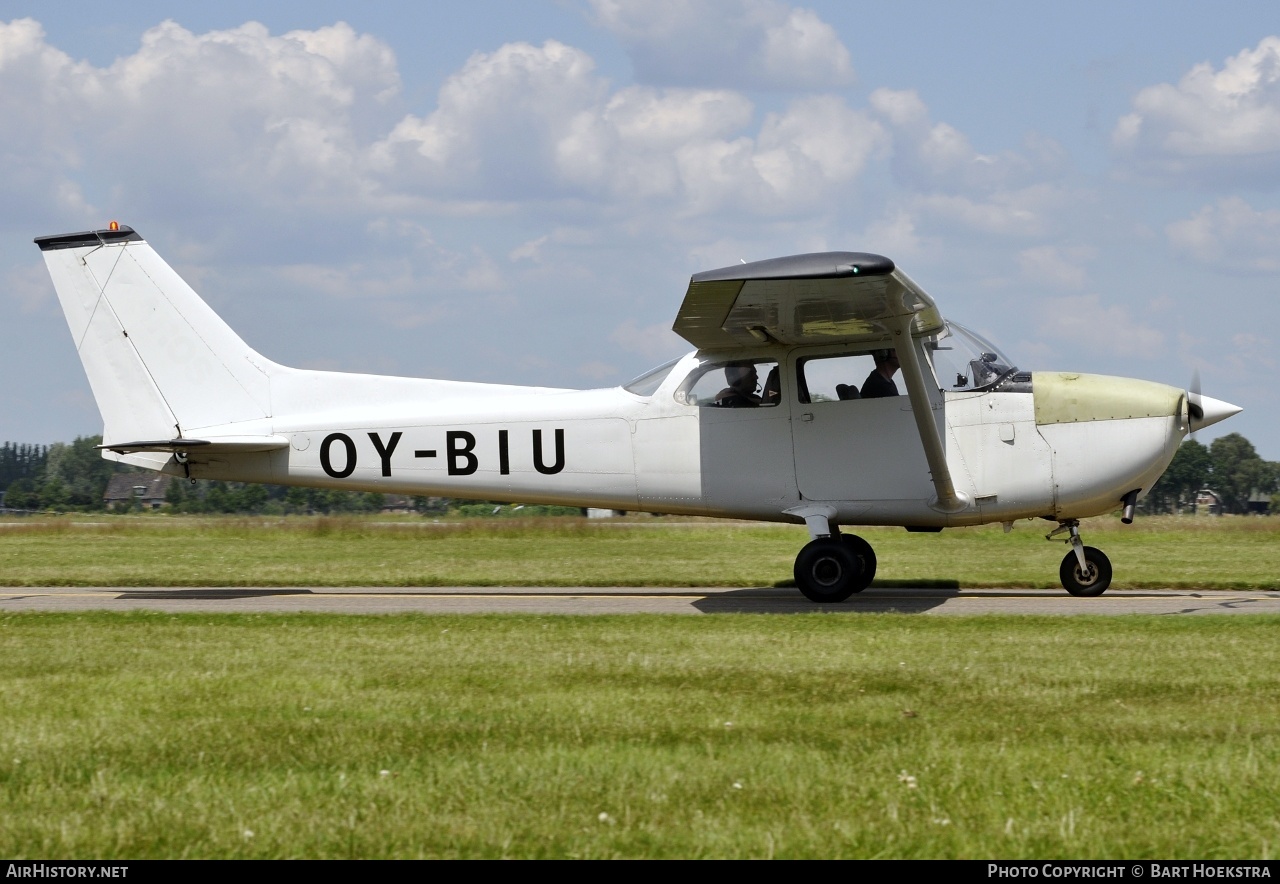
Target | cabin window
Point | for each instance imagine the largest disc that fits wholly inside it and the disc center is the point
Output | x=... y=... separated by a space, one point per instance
x=742 y=383
x=833 y=378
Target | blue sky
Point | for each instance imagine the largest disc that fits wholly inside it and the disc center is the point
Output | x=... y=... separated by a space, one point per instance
x=518 y=192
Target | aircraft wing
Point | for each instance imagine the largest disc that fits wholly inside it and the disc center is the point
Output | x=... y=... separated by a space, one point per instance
x=820 y=298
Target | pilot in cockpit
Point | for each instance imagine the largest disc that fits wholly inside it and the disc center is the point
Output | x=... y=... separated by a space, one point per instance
x=741 y=392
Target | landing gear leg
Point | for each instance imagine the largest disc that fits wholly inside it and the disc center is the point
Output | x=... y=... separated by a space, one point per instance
x=1086 y=570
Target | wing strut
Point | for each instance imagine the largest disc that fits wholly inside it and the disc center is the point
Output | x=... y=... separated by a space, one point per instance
x=948 y=500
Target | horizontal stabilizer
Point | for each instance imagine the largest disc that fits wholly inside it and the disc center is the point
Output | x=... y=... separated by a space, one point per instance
x=223 y=444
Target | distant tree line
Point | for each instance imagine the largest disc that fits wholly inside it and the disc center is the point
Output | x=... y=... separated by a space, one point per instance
x=21 y=462
x=208 y=496
x=1229 y=466
x=73 y=477
x=55 y=477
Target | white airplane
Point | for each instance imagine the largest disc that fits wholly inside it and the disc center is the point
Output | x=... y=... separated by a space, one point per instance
x=974 y=440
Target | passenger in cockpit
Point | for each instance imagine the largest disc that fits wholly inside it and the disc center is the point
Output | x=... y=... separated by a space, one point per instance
x=880 y=382
x=771 y=393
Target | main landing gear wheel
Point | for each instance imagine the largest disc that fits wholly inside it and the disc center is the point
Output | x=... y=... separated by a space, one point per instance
x=863 y=551
x=1091 y=581
x=827 y=570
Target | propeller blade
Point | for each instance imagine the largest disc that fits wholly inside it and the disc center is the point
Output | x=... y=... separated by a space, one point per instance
x=1194 y=410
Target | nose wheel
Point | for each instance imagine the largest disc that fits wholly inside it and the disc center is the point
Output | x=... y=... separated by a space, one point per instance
x=830 y=569
x=1089 y=580
x=1086 y=570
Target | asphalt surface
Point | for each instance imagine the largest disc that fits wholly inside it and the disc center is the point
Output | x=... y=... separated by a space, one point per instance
x=628 y=600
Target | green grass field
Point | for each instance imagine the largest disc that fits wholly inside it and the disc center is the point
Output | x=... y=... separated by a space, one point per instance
x=156 y=735
x=1225 y=553
x=877 y=735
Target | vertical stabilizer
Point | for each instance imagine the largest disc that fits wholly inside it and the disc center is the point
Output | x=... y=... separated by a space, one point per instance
x=161 y=363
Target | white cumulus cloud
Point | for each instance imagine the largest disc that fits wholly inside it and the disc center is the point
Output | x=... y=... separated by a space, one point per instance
x=1085 y=322
x=953 y=187
x=741 y=44
x=538 y=122
x=1061 y=267
x=1027 y=212
x=802 y=160
x=236 y=111
x=1230 y=235
x=655 y=342
x=312 y=120
x=498 y=120
x=936 y=155
x=1215 y=124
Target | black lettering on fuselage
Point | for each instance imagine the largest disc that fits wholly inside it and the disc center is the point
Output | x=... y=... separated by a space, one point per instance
x=537 y=454
x=459 y=449
x=385 y=452
x=461 y=453
x=327 y=465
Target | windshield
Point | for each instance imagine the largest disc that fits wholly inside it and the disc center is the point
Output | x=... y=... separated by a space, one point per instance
x=649 y=382
x=964 y=360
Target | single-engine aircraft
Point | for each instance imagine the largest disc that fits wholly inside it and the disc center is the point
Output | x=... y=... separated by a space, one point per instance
x=785 y=412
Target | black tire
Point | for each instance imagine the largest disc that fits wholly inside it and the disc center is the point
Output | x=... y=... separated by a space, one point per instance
x=827 y=570
x=1086 y=583
x=866 y=554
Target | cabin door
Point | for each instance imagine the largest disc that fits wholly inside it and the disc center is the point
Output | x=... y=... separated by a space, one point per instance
x=744 y=437
x=848 y=447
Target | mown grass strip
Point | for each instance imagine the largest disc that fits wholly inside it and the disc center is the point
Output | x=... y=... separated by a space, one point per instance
x=1226 y=553
x=154 y=735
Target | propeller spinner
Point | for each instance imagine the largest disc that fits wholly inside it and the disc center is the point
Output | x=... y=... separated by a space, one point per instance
x=1204 y=411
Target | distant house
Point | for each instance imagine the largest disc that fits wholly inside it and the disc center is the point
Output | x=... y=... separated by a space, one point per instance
x=1259 y=503
x=147 y=489
x=397 y=503
x=1208 y=502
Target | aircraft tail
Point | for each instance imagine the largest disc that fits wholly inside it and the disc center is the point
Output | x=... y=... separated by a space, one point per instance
x=161 y=363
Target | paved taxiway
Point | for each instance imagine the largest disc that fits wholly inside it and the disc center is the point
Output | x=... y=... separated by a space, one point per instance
x=627 y=600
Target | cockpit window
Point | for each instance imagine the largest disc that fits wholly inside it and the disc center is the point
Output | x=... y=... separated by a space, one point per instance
x=964 y=360
x=649 y=382
x=743 y=383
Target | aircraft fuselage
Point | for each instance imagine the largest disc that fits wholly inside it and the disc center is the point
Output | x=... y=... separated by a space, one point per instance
x=1013 y=454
